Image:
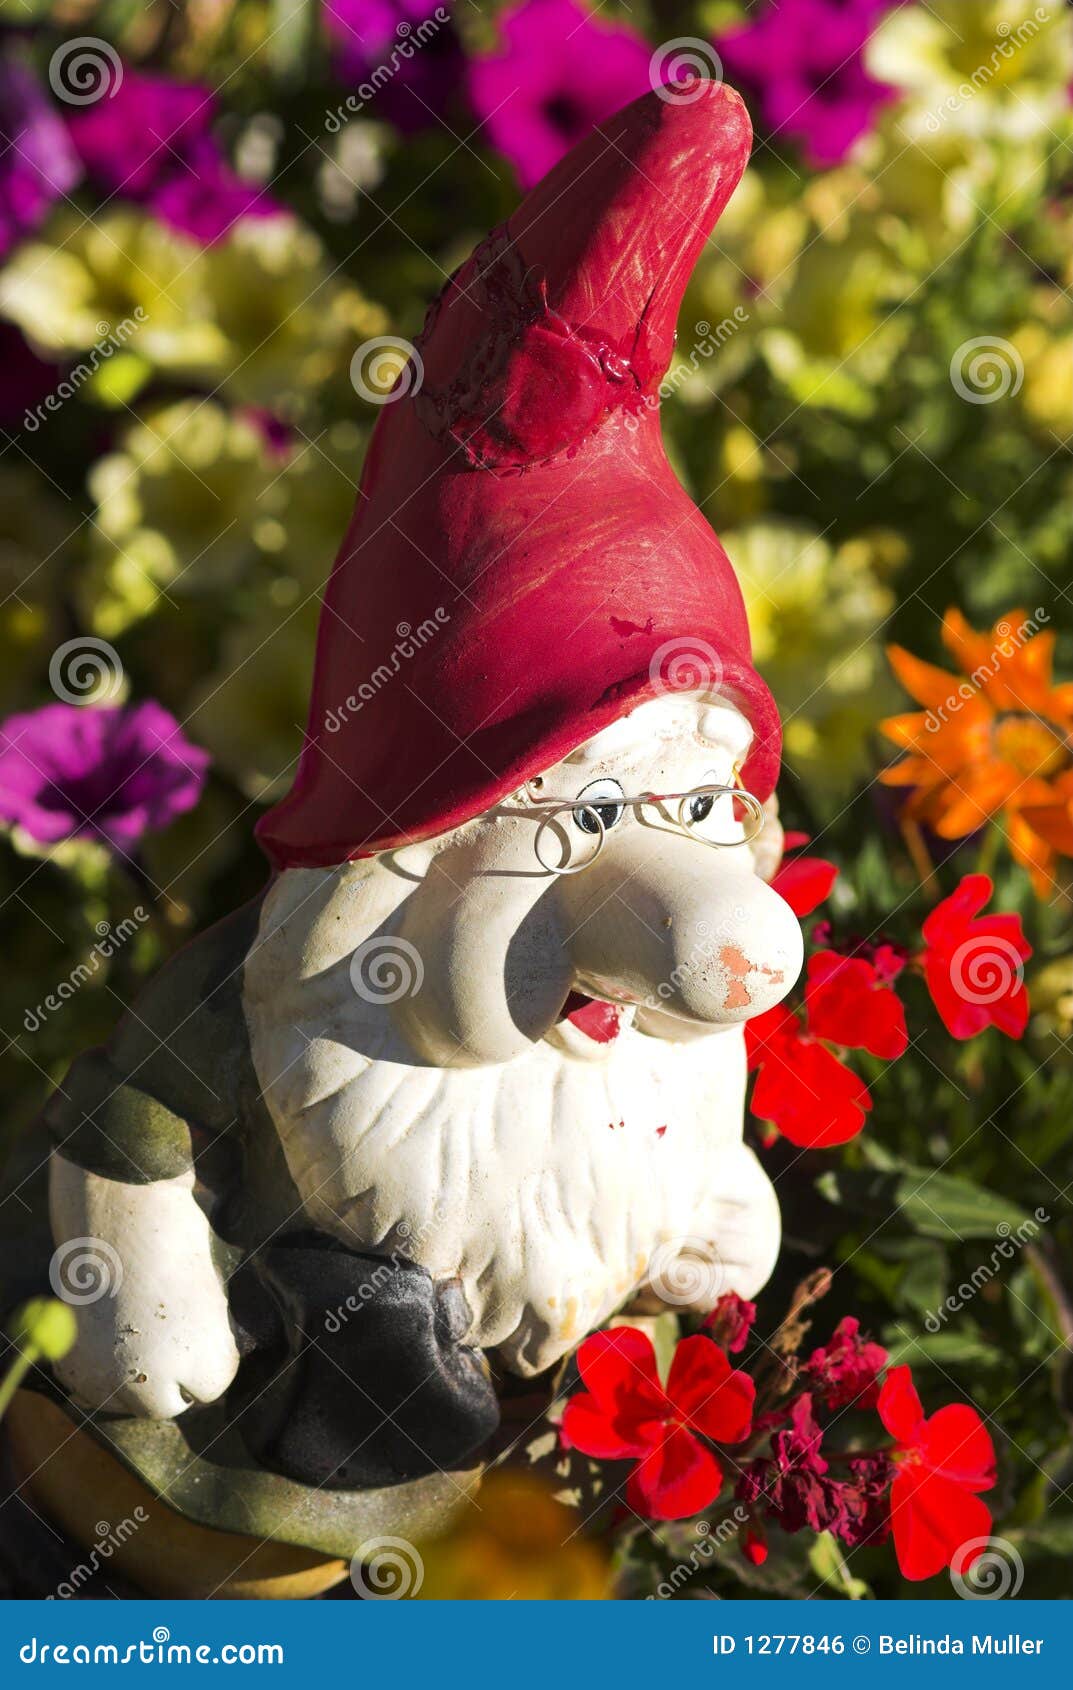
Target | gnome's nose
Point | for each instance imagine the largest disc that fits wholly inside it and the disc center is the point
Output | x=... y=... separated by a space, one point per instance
x=685 y=930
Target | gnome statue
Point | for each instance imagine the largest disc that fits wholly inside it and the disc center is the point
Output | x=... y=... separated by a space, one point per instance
x=470 y=1072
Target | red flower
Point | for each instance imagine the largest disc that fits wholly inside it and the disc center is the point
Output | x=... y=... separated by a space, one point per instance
x=730 y=1322
x=805 y=882
x=802 y=1087
x=975 y=967
x=794 y=1486
x=626 y=1414
x=847 y=1369
x=941 y=1461
x=851 y=1003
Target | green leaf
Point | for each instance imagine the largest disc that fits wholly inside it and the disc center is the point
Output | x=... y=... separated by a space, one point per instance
x=932 y=1204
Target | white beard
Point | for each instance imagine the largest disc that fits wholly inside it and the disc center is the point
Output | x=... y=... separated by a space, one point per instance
x=546 y=1184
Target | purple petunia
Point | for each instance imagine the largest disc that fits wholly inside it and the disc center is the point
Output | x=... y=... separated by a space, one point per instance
x=37 y=162
x=559 y=73
x=402 y=53
x=105 y=772
x=151 y=140
x=804 y=59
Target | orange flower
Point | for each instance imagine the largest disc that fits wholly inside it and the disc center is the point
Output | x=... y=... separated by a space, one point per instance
x=997 y=738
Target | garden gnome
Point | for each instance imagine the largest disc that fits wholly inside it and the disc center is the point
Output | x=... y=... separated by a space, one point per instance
x=471 y=1071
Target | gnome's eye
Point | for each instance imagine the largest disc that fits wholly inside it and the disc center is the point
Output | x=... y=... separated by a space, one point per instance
x=699 y=809
x=599 y=806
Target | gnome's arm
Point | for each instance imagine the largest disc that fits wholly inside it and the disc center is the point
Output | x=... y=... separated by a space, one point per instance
x=139 y=1132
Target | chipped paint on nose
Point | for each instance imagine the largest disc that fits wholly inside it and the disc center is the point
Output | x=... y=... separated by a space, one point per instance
x=738 y=968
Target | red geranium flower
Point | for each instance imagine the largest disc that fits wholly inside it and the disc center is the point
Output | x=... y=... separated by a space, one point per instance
x=975 y=967
x=942 y=1462
x=802 y=1087
x=850 y=1002
x=804 y=881
x=626 y=1414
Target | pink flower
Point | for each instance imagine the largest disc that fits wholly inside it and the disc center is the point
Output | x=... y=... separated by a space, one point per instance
x=108 y=772
x=560 y=71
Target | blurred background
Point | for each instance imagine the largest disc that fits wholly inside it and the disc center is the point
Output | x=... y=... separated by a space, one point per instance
x=216 y=223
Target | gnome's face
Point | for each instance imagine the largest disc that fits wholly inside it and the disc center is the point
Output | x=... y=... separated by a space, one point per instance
x=568 y=912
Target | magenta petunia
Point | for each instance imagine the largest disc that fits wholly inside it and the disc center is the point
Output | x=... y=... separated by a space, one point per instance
x=402 y=54
x=559 y=72
x=106 y=772
x=151 y=141
x=38 y=165
x=804 y=60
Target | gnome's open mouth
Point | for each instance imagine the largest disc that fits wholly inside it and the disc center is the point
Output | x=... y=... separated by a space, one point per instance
x=599 y=1020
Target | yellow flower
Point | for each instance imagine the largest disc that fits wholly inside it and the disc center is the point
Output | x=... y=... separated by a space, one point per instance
x=259 y=315
x=121 y=277
x=816 y=615
x=1045 y=347
x=997 y=69
x=513 y=1540
x=177 y=510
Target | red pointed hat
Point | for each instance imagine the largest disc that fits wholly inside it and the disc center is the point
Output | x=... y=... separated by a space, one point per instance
x=523 y=567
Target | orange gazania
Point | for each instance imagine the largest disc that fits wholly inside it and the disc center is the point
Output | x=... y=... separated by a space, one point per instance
x=995 y=739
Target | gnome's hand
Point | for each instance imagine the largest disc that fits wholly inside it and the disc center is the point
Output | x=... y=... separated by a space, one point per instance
x=135 y=1262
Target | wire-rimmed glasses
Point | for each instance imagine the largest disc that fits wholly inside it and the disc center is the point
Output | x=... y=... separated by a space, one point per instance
x=687 y=811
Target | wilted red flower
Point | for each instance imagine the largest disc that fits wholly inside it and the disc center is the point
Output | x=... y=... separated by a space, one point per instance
x=851 y=1003
x=794 y=1485
x=974 y=966
x=730 y=1322
x=847 y=1369
x=942 y=1461
x=626 y=1414
x=802 y=1087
